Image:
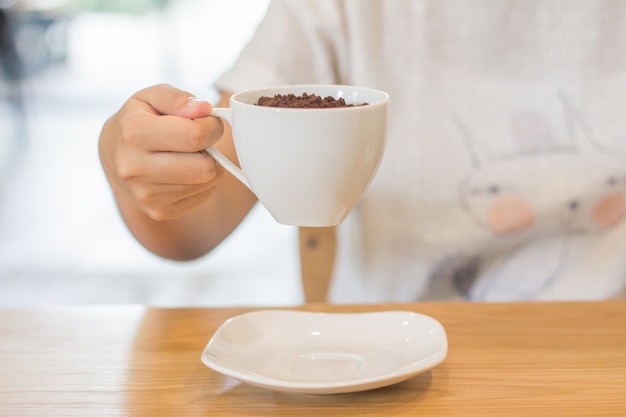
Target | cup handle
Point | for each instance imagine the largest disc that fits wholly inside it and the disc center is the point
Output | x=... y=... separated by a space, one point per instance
x=225 y=113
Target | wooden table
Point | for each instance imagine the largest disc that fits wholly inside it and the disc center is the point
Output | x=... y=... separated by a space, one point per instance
x=527 y=359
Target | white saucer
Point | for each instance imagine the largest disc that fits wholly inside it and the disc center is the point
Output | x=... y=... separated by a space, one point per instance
x=324 y=353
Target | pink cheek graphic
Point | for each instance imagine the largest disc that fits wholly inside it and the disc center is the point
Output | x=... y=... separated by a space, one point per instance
x=510 y=215
x=610 y=210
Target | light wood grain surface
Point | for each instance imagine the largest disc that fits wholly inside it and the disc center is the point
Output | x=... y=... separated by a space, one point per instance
x=524 y=359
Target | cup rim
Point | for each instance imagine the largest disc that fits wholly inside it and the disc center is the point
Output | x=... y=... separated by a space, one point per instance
x=306 y=88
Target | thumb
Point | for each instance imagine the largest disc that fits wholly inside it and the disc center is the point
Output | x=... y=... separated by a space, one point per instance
x=193 y=108
x=168 y=100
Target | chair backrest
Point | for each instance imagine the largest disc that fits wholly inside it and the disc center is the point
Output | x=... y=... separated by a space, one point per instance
x=318 y=247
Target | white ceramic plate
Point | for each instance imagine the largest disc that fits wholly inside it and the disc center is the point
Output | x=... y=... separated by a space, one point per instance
x=324 y=353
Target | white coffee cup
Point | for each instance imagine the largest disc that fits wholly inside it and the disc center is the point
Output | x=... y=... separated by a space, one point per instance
x=308 y=167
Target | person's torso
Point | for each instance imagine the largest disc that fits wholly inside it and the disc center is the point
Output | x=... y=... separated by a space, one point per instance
x=505 y=170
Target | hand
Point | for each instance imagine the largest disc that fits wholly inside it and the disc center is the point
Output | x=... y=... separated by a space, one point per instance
x=152 y=152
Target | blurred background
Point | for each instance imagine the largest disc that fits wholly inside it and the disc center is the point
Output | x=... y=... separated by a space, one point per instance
x=67 y=65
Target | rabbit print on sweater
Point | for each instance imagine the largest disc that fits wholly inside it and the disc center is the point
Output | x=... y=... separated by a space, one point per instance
x=545 y=205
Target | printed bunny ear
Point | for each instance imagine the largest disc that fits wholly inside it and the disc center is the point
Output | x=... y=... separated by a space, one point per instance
x=580 y=132
x=532 y=132
x=476 y=159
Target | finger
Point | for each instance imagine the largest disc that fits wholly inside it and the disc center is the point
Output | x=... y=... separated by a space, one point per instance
x=171 y=133
x=157 y=197
x=171 y=168
x=168 y=100
x=166 y=202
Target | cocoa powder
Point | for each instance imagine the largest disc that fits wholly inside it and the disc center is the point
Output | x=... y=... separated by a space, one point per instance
x=304 y=101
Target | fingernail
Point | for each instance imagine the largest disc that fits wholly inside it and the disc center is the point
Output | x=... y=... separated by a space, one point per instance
x=192 y=101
